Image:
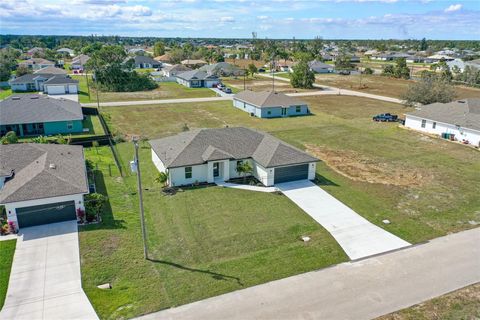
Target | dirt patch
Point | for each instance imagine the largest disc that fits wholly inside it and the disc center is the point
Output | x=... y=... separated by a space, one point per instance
x=361 y=168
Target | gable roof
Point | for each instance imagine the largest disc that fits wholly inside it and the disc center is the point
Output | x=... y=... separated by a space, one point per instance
x=32 y=108
x=60 y=79
x=145 y=59
x=464 y=113
x=33 y=177
x=196 y=75
x=176 y=68
x=80 y=59
x=202 y=145
x=222 y=69
x=30 y=77
x=319 y=65
x=37 y=61
x=51 y=70
x=265 y=99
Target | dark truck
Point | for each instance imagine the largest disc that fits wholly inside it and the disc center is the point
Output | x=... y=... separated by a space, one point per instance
x=385 y=117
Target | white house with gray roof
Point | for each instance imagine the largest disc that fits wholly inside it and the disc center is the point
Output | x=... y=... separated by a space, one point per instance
x=42 y=183
x=269 y=104
x=209 y=155
x=197 y=79
x=54 y=82
x=459 y=118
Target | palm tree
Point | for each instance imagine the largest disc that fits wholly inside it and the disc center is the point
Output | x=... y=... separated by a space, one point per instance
x=161 y=178
x=244 y=168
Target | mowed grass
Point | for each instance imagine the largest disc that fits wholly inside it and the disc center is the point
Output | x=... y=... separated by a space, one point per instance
x=259 y=83
x=165 y=90
x=460 y=304
x=202 y=242
x=5 y=93
x=380 y=85
x=438 y=199
x=7 y=250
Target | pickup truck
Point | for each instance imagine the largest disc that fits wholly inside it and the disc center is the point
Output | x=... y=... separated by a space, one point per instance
x=385 y=117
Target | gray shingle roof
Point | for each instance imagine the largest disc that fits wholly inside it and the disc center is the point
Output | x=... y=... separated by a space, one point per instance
x=60 y=79
x=464 y=113
x=34 y=179
x=196 y=75
x=145 y=59
x=222 y=69
x=29 y=77
x=319 y=65
x=80 y=59
x=176 y=68
x=202 y=145
x=38 y=108
x=266 y=99
x=51 y=70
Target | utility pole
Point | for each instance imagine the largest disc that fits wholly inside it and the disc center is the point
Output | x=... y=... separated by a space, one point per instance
x=88 y=87
x=136 y=167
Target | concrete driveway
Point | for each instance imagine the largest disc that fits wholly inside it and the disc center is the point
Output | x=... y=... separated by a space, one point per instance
x=357 y=236
x=45 y=281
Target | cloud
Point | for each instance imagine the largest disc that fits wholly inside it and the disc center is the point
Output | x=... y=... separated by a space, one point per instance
x=262 y=17
x=227 y=19
x=454 y=7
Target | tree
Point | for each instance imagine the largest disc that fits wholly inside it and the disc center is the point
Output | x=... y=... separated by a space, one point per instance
x=368 y=71
x=94 y=203
x=22 y=70
x=302 y=76
x=9 y=138
x=343 y=62
x=430 y=89
x=401 y=70
x=252 y=69
x=161 y=178
x=244 y=168
x=423 y=45
x=159 y=49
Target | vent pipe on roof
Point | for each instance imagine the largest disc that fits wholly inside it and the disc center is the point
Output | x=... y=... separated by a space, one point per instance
x=52 y=166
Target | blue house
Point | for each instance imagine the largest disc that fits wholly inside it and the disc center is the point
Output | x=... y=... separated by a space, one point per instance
x=33 y=115
x=269 y=104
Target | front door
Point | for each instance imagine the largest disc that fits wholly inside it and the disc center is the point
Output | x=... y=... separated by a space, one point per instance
x=284 y=112
x=216 y=169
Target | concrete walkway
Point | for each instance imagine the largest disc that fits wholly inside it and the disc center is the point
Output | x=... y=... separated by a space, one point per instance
x=358 y=237
x=245 y=187
x=45 y=282
x=358 y=290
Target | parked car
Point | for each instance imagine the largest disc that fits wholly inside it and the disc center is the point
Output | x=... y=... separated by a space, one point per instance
x=261 y=70
x=227 y=90
x=385 y=117
x=344 y=72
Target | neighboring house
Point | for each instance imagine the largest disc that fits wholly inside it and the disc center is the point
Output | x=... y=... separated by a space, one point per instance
x=163 y=58
x=42 y=183
x=459 y=118
x=269 y=104
x=34 y=115
x=459 y=63
x=35 y=50
x=37 y=63
x=209 y=155
x=172 y=71
x=222 y=69
x=354 y=59
x=78 y=63
x=193 y=63
x=66 y=52
x=48 y=83
x=440 y=57
x=197 y=79
x=320 y=67
x=51 y=70
x=146 y=62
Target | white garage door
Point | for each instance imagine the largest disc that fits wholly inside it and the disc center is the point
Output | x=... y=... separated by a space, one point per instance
x=72 y=88
x=56 y=89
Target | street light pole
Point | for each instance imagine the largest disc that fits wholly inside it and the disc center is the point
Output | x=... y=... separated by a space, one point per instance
x=140 y=196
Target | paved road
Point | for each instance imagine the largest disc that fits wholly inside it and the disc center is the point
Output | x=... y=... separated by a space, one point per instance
x=357 y=290
x=358 y=237
x=45 y=281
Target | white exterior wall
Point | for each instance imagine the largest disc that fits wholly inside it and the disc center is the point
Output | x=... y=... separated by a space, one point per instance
x=312 y=168
x=177 y=175
x=12 y=207
x=415 y=123
x=73 y=88
x=157 y=162
x=55 y=89
x=265 y=176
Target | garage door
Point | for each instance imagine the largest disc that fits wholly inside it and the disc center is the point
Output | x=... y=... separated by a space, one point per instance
x=56 y=89
x=291 y=173
x=47 y=213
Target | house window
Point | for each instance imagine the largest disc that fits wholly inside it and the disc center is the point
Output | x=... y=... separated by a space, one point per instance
x=424 y=122
x=298 y=109
x=188 y=172
x=239 y=163
x=434 y=125
x=269 y=112
x=70 y=125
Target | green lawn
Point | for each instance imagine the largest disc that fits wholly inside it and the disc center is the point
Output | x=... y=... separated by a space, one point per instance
x=5 y=93
x=463 y=304
x=7 y=249
x=202 y=242
x=92 y=122
x=165 y=90
x=380 y=170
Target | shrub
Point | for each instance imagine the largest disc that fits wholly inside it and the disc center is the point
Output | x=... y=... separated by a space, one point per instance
x=94 y=203
x=9 y=138
x=80 y=215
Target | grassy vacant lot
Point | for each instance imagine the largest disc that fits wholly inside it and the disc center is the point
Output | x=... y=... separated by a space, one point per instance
x=165 y=90
x=381 y=85
x=380 y=170
x=202 y=242
x=259 y=83
x=7 y=249
x=461 y=304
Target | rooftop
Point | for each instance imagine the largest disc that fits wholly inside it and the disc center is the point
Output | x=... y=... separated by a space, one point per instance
x=196 y=75
x=265 y=99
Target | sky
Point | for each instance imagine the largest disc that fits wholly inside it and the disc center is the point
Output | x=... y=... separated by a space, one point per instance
x=302 y=19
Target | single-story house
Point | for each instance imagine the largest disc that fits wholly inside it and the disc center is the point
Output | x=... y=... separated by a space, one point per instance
x=172 y=71
x=209 y=155
x=66 y=52
x=193 y=63
x=197 y=79
x=222 y=69
x=37 y=63
x=165 y=58
x=460 y=119
x=78 y=63
x=146 y=62
x=42 y=183
x=33 y=115
x=269 y=104
x=46 y=82
x=320 y=67
x=35 y=50
x=51 y=70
